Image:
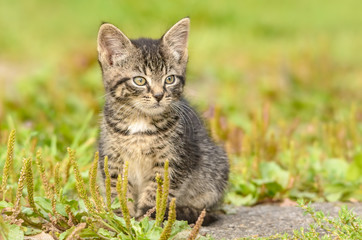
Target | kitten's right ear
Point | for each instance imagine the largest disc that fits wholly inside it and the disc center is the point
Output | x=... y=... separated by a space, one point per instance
x=176 y=39
x=113 y=45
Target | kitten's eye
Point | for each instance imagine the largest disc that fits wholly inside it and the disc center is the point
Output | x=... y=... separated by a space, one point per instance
x=170 y=79
x=140 y=81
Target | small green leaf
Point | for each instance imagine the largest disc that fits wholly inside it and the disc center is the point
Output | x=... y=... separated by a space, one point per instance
x=44 y=203
x=61 y=209
x=155 y=233
x=28 y=211
x=242 y=186
x=273 y=188
x=88 y=233
x=4 y=204
x=15 y=233
x=116 y=204
x=303 y=194
x=179 y=226
x=354 y=171
x=272 y=171
x=65 y=234
x=335 y=169
x=239 y=200
x=260 y=182
x=32 y=231
x=145 y=224
x=105 y=233
x=72 y=203
x=82 y=206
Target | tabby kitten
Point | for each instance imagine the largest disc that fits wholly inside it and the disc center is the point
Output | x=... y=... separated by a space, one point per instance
x=146 y=121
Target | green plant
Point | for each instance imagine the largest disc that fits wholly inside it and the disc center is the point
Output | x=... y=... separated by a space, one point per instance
x=287 y=100
x=347 y=226
x=91 y=217
x=270 y=163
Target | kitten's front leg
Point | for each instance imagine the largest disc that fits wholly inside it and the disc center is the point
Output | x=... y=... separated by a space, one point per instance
x=130 y=194
x=147 y=199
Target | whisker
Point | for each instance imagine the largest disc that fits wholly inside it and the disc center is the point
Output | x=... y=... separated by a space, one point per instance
x=185 y=118
x=190 y=110
x=105 y=95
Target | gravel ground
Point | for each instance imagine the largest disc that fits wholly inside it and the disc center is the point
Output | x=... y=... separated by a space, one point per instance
x=266 y=220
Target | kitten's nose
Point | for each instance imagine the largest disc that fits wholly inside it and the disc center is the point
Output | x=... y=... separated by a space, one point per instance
x=158 y=96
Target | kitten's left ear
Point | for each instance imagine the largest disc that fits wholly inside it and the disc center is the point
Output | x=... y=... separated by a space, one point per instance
x=176 y=39
x=113 y=45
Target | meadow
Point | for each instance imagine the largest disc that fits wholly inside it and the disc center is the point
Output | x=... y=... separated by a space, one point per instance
x=278 y=84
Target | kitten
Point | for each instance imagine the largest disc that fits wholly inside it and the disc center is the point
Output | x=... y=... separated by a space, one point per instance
x=146 y=121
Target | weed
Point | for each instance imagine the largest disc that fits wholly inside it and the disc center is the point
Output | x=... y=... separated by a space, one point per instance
x=91 y=217
x=347 y=226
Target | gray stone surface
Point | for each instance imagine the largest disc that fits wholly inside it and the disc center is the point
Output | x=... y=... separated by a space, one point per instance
x=266 y=220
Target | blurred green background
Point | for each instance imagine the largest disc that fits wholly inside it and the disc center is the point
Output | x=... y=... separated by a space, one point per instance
x=280 y=82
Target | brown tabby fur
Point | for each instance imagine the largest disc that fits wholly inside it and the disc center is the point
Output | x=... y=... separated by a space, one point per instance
x=151 y=123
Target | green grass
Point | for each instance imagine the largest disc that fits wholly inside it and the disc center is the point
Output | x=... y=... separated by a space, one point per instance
x=280 y=84
x=90 y=216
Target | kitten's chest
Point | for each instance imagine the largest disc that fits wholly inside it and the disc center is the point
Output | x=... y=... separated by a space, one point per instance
x=145 y=146
x=145 y=141
x=144 y=151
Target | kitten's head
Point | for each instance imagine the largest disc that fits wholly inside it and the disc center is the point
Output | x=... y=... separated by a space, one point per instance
x=145 y=74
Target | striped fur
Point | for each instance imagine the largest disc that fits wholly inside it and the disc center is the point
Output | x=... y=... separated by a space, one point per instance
x=149 y=124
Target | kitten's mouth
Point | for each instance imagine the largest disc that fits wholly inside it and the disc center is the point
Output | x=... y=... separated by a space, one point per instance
x=153 y=109
x=157 y=105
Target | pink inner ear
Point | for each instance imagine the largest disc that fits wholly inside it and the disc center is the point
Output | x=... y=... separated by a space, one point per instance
x=176 y=38
x=113 y=44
